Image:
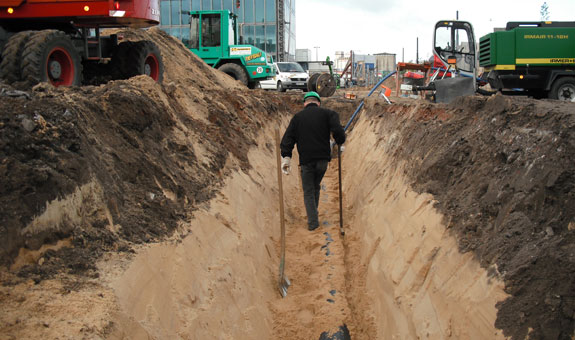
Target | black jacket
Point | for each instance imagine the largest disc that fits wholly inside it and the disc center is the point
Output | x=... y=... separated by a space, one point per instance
x=310 y=129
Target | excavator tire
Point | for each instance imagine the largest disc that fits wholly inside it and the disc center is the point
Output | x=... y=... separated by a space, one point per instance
x=119 y=56
x=134 y=58
x=50 y=56
x=12 y=55
x=235 y=71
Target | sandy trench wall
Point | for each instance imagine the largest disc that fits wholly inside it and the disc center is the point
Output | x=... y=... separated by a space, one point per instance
x=500 y=169
x=216 y=281
x=411 y=281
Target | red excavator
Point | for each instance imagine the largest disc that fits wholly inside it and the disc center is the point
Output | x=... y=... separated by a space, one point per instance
x=59 y=41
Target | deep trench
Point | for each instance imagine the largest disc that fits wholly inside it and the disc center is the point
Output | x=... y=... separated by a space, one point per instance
x=396 y=274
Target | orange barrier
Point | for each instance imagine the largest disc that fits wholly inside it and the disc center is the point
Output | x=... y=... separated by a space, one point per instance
x=387 y=92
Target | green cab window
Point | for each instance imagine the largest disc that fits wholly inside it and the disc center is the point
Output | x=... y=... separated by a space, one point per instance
x=211 y=30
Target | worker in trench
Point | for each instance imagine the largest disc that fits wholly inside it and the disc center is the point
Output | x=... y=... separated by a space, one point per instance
x=310 y=129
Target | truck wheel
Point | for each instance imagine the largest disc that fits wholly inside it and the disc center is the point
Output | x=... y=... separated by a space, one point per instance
x=12 y=55
x=563 y=89
x=50 y=56
x=235 y=71
x=140 y=57
x=281 y=88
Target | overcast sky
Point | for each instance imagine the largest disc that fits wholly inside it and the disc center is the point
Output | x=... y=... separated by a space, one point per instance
x=368 y=26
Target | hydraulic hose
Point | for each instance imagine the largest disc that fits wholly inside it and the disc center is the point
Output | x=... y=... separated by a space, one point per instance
x=362 y=103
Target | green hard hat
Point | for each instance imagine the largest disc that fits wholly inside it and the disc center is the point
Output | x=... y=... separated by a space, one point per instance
x=311 y=94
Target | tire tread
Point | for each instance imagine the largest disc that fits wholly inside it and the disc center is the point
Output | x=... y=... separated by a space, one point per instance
x=32 y=56
x=12 y=55
x=236 y=70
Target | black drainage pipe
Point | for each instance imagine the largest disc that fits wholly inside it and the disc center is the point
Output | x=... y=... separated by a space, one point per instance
x=342 y=334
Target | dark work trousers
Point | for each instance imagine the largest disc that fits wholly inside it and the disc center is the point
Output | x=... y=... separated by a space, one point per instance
x=311 y=176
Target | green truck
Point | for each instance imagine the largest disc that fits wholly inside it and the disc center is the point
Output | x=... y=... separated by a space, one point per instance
x=214 y=38
x=535 y=58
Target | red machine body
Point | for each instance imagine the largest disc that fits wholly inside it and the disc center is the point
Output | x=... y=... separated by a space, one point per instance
x=109 y=13
x=59 y=41
x=440 y=65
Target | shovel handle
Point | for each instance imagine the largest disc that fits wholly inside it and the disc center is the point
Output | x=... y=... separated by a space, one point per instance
x=341 y=231
x=282 y=279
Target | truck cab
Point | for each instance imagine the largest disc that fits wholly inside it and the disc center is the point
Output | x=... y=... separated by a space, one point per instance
x=214 y=38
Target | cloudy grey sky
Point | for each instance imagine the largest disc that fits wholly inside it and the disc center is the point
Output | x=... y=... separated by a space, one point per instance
x=368 y=26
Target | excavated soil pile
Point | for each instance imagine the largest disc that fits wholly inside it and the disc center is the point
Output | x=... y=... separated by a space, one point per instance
x=501 y=171
x=101 y=168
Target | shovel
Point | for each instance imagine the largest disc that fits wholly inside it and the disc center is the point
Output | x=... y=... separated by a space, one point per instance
x=284 y=282
x=341 y=231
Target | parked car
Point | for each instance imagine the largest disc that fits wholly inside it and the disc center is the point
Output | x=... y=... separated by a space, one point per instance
x=289 y=75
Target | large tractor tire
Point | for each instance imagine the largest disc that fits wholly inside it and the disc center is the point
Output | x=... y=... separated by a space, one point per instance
x=134 y=58
x=50 y=56
x=235 y=71
x=12 y=55
x=563 y=89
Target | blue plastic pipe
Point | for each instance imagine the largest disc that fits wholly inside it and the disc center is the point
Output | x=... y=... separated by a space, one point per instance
x=361 y=104
x=461 y=74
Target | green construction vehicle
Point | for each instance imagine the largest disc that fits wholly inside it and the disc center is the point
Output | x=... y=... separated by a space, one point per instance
x=214 y=38
x=535 y=58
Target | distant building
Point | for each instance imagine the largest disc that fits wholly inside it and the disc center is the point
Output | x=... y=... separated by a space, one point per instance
x=257 y=21
x=385 y=62
x=341 y=59
x=382 y=62
x=302 y=54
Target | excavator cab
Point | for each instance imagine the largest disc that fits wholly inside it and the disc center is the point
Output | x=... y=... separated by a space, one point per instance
x=454 y=61
x=455 y=40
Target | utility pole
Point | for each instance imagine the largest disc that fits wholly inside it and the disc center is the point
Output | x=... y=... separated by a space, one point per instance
x=417 y=51
x=403 y=54
x=316 y=48
x=456 y=15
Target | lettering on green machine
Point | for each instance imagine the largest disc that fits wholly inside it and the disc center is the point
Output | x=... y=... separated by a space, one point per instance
x=253 y=56
x=546 y=36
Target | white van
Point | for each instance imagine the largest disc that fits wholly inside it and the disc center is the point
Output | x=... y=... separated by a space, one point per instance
x=289 y=75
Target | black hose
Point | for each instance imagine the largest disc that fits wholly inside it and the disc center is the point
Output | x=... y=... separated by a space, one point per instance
x=342 y=334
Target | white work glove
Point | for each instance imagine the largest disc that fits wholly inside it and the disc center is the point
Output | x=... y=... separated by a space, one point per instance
x=332 y=144
x=285 y=165
x=334 y=150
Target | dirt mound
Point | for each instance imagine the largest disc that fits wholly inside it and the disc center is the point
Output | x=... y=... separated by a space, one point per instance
x=179 y=64
x=103 y=167
x=501 y=169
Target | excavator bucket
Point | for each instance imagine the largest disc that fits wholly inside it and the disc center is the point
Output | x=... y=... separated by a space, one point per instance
x=448 y=89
